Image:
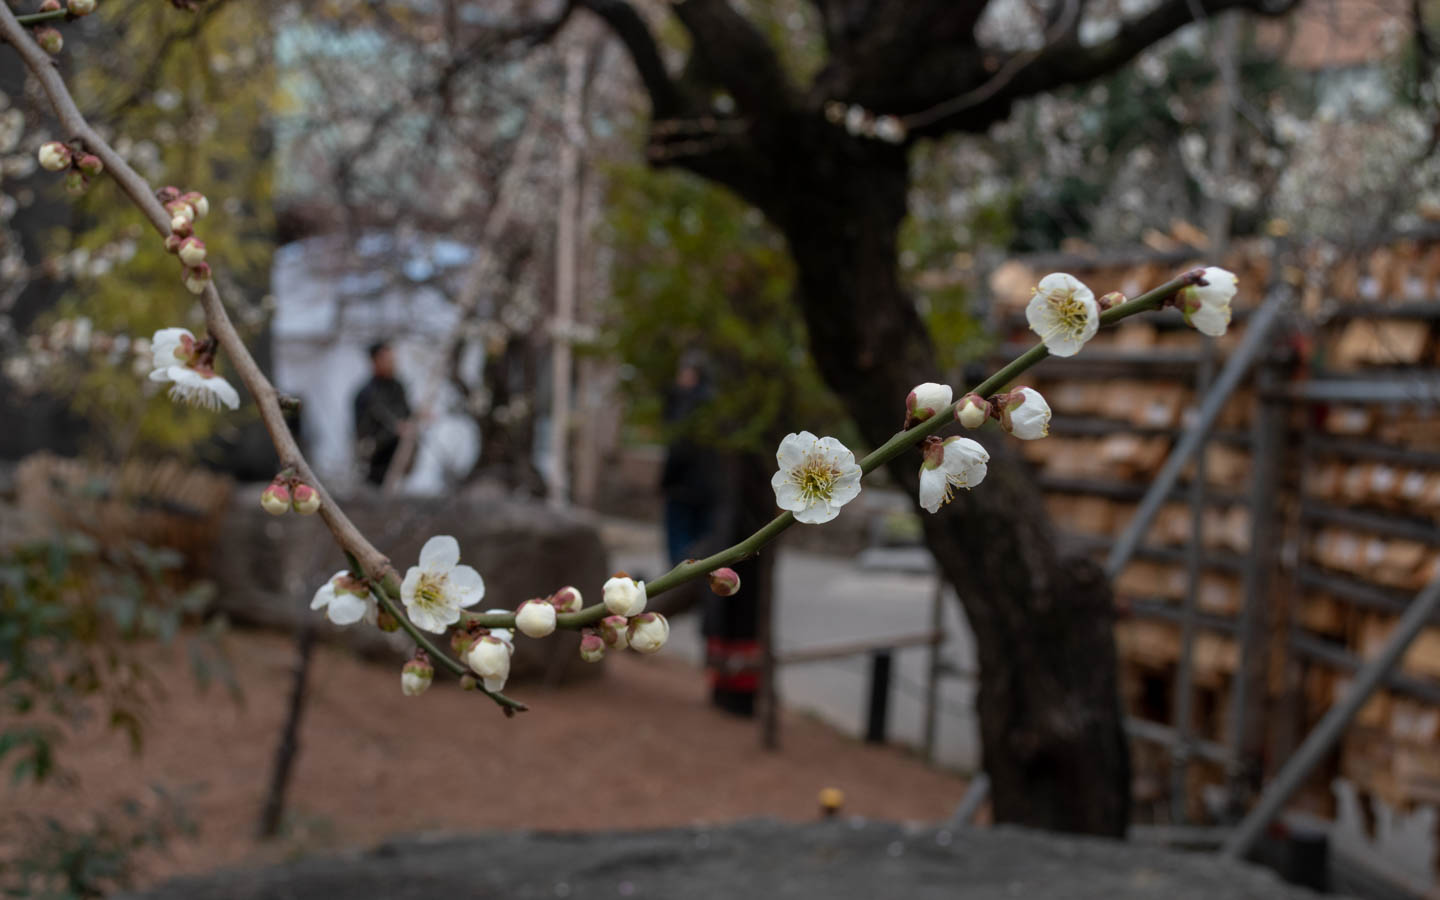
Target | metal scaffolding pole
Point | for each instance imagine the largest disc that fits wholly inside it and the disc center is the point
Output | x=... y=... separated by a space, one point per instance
x=1251 y=345
x=1322 y=739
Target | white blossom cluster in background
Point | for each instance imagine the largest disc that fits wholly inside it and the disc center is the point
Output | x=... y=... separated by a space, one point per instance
x=45 y=357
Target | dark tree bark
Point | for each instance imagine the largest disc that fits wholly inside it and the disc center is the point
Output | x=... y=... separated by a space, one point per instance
x=1051 y=725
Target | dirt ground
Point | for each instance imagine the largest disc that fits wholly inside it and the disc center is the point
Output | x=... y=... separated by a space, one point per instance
x=637 y=748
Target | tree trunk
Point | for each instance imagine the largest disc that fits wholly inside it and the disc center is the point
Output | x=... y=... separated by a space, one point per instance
x=1050 y=720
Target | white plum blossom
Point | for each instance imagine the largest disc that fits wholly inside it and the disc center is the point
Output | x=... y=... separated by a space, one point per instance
x=1206 y=306
x=954 y=462
x=437 y=589
x=925 y=400
x=535 y=618
x=186 y=364
x=648 y=632
x=1064 y=313
x=346 y=600
x=817 y=476
x=1025 y=414
x=624 y=596
x=490 y=658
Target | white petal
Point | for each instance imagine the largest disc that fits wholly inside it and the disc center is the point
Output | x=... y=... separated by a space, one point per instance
x=496 y=684
x=932 y=488
x=1040 y=314
x=817 y=514
x=465 y=586
x=323 y=596
x=787 y=493
x=846 y=489
x=793 y=449
x=346 y=609
x=1063 y=346
x=1211 y=319
x=836 y=451
x=432 y=619
x=440 y=554
x=410 y=585
x=224 y=390
x=162 y=374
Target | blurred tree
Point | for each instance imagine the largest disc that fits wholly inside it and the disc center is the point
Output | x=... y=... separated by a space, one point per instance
x=191 y=95
x=1053 y=738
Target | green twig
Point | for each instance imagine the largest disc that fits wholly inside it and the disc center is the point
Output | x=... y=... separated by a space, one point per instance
x=37 y=18
x=688 y=571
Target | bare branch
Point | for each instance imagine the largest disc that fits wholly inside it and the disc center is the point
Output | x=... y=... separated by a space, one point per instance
x=732 y=53
x=644 y=53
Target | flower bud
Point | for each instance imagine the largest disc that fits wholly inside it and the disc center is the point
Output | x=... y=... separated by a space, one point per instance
x=50 y=6
x=614 y=631
x=179 y=209
x=724 y=582
x=90 y=164
x=192 y=251
x=275 y=499
x=197 y=277
x=624 y=596
x=592 y=648
x=468 y=683
x=49 y=39
x=76 y=182
x=305 y=499
x=81 y=7
x=1024 y=413
x=535 y=618
x=889 y=129
x=1114 y=298
x=181 y=226
x=167 y=195
x=173 y=242
x=648 y=632
x=54 y=156
x=197 y=202
x=385 y=621
x=462 y=639
x=490 y=659
x=925 y=400
x=567 y=600
x=415 y=677
x=973 y=411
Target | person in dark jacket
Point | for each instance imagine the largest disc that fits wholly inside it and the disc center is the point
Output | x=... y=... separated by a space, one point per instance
x=382 y=414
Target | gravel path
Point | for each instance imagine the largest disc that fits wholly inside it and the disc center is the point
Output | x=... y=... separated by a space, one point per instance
x=637 y=748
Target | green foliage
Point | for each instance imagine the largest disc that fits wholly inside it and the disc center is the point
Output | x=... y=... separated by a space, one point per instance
x=70 y=615
x=60 y=862
x=190 y=94
x=695 y=268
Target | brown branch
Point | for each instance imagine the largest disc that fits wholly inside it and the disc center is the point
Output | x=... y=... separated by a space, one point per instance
x=732 y=52
x=217 y=321
x=632 y=31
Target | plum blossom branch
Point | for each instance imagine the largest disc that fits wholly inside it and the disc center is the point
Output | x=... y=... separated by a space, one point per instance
x=692 y=569
x=218 y=323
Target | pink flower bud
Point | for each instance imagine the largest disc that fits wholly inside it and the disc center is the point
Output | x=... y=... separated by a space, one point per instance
x=197 y=202
x=173 y=242
x=49 y=39
x=972 y=411
x=192 y=251
x=592 y=647
x=167 y=195
x=1114 y=298
x=275 y=499
x=535 y=618
x=76 y=182
x=81 y=7
x=567 y=600
x=50 y=6
x=648 y=632
x=415 y=676
x=614 y=631
x=90 y=164
x=197 y=277
x=305 y=499
x=724 y=582
x=54 y=156
x=181 y=226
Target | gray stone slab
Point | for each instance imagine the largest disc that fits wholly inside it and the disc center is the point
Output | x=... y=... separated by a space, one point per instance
x=751 y=861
